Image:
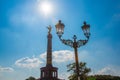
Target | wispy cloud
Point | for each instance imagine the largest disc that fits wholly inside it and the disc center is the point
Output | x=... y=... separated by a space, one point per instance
x=110 y=70
x=28 y=62
x=6 y=69
x=83 y=54
x=60 y=56
x=25 y=14
x=114 y=21
x=64 y=75
x=25 y=19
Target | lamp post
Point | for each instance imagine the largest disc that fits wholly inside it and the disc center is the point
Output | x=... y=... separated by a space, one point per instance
x=74 y=43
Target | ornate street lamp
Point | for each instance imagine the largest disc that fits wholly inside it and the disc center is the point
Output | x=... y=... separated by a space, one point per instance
x=60 y=28
x=74 y=43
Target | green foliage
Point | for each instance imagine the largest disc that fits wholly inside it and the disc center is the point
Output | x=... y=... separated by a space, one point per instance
x=103 y=77
x=83 y=71
x=30 y=78
x=106 y=77
x=91 y=78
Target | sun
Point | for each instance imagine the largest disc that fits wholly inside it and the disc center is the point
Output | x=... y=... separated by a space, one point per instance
x=45 y=8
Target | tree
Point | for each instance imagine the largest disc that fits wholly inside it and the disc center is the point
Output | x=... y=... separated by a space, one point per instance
x=83 y=71
x=30 y=78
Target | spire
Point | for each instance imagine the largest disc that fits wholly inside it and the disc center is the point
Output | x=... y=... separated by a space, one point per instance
x=49 y=47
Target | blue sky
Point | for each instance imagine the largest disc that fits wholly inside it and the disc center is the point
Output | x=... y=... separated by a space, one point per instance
x=23 y=36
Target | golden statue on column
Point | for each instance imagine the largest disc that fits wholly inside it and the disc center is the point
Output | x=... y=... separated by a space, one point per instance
x=49 y=29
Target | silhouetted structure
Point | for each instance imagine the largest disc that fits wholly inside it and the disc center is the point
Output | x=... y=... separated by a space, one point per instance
x=74 y=43
x=49 y=72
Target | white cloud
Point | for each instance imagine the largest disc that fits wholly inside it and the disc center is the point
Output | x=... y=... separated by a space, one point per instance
x=28 y=62
x=6 y=69
x=43 y=56
x=60 y=56
x=110 y=70
x=64 y=75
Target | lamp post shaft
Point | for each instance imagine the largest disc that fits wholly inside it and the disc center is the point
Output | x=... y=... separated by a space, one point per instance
x=74 y=44
x=76 y=58
x=76 y=62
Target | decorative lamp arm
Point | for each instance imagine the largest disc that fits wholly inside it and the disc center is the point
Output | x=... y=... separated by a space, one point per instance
x=67 y=42
x=81 y=43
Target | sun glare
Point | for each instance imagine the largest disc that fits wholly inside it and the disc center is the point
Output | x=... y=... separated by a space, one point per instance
x=46 y=8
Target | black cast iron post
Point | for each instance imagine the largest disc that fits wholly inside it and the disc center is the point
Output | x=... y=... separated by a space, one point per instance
x=74 y=43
